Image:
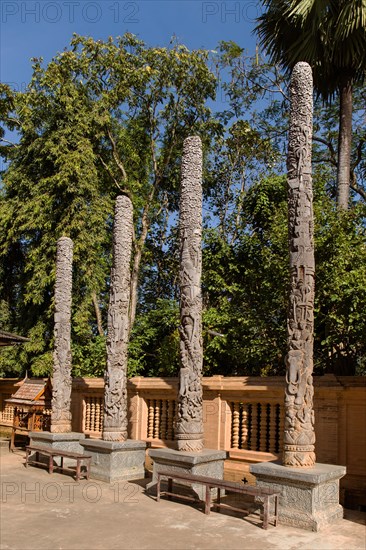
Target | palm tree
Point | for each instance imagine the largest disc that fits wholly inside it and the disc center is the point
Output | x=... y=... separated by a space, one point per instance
x=331 y=36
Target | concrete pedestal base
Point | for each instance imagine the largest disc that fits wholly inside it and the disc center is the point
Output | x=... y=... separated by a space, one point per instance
x=64 y=441
x=310 y=496
x=206 y=463
x=116 y=461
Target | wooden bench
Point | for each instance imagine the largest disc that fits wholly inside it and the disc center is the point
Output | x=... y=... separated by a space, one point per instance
x=52 y=453
x=266 y=494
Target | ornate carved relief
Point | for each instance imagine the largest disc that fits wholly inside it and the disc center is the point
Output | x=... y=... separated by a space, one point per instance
x=115 y=393
x=61 y=377
x=299 y=436
x=189 y=428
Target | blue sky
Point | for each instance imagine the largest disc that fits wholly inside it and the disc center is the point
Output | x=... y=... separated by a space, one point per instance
x=41 y=28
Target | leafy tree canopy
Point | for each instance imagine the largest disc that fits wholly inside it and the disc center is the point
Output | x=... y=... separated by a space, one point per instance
x=104 y=118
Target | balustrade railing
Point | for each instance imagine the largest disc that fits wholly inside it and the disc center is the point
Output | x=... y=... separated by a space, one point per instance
x=257 y=426
x=93 y=415
x=160 y=419
x=7 y=414
x=242 y=415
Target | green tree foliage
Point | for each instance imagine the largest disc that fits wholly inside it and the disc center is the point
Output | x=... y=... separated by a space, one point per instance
x=109 y=117
x=331 y=36
x=101 y=118
x=246 y=286
x=257 y=90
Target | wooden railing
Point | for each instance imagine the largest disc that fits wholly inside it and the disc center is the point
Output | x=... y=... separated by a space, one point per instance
x=160 y=419
x=243 y=416
x=92 y=415
x=7 y=414
x=257 y=426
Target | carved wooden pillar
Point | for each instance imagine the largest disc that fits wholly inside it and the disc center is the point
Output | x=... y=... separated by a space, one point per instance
x=61 y=377
x=115 y=393
x=299 y=435
x=189 y=427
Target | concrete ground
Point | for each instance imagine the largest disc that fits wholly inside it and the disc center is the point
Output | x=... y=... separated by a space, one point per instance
x=49 y=512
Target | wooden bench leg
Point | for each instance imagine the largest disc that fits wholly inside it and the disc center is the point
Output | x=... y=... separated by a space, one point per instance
x=275 y=510
x=170 y=486
x=265 y=512
x=50 y=465
x=158 y=489
x=78 y=468
x=87 y=464
x=26 y=457
x=208 y=500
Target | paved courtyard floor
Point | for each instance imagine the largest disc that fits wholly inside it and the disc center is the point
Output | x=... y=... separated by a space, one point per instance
x=53 y=512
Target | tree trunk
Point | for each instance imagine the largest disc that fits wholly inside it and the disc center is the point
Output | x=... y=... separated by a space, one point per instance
x=344 y=145
x=138 y=255
x=61 y=377
x=189 y=430
x=299 y=436
x=98 y=315
x=115 y=393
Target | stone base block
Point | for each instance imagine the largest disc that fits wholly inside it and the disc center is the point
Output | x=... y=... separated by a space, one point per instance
x=206 y=463
x=309 y=496
x=63 y=441
x=116 y=461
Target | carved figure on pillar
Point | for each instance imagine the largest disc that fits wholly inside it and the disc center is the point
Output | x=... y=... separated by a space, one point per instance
x=189 y=426
x=299 y=435
x=61 y=376
x=115 y=391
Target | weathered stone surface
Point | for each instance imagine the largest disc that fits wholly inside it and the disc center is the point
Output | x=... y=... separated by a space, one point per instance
x=64 y=441
x=115 y=395
x=116 y=460
x=61 y=376
x=206 y=463
x=189 y=427
x=299 y=435
x=310 y=497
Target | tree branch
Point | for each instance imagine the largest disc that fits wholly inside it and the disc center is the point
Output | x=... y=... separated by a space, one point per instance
x=359 y=153
x=355 y=187
x=116 y=156
x=329 y=145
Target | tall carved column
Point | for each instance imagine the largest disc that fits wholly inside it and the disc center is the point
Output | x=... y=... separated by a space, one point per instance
x=299 y=435
x=61 y=377
x=189 y=428
x=115 y=393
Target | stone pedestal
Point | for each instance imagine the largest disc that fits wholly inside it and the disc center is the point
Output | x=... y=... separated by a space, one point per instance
x=116 y=461
x=64 y=441
x=310 y=496
x=205 y=463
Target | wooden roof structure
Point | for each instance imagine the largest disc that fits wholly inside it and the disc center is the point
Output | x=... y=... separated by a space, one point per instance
x=30 y=403
x=10 y=339
x=32 y=392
